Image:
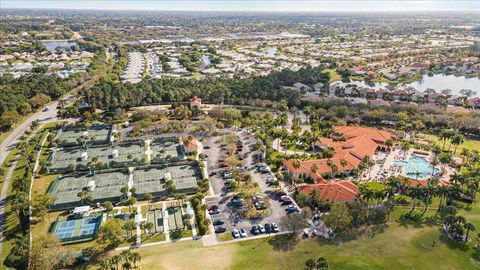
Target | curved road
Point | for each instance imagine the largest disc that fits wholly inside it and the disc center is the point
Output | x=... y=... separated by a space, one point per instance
x=46 y=115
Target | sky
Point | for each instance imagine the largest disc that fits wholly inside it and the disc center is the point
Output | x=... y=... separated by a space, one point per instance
x=253 y=5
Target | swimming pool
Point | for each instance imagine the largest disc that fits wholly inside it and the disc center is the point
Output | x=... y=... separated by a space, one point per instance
x=417 y=167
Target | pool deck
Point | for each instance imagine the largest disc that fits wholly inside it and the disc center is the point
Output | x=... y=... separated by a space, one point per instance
x=385 y=162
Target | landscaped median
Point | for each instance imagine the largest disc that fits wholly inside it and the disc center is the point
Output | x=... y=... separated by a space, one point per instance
x=12 y=228
x=201 y=221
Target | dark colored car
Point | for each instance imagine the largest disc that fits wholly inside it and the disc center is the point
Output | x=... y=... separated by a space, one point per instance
x=255 y=230
x=292 y=209
x=212 y=207
x=206 y=147
x=217 y=222
x=268 y=228
x=287 y=202
x=220 y=229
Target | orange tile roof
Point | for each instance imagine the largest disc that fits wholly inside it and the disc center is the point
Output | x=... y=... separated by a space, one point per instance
x=360 y=142
x=342 y=191
x=196 y=100
x=192 y=144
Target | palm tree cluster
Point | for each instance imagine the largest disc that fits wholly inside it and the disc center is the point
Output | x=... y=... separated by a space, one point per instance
x=456 y=225
x=126 y=260
x=455 y=138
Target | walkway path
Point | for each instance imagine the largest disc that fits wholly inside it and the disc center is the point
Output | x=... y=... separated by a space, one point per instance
x=166 y=227
x=192 y=219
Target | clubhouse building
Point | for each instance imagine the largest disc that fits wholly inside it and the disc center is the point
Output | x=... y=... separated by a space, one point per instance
x=350 y=145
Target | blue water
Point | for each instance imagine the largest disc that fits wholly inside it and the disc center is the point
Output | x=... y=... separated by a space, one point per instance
x=52 y=45
x=416 y=165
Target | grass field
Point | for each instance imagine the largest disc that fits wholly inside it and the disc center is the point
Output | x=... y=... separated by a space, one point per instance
x=401 y=245
x=334 y=76
x=470 y=144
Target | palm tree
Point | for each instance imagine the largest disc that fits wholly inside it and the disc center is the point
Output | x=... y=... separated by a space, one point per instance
x=126 y=255
x=136 y=256
x=322 y=263
x=457 y=139
x=389 y=143
x=105 y=265
x=434 y=162
x=310 y=264
x=148 y=197
x=393 y=184
x=470 y=227
x=416 y=193
x=466 y=155
x=444 y=135
x=314 y=168
x=115 y=260
x=126 y=265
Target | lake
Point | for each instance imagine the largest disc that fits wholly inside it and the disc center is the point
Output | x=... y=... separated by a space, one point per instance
x=51 y=45
x=437 y=82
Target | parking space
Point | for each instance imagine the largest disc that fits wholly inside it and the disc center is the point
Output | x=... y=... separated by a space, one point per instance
x=228 y=213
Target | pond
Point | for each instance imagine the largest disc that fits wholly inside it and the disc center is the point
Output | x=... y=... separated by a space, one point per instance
x=51 y=45
x=437 y=82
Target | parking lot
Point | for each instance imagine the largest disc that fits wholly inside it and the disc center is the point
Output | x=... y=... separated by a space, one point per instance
x=228 y=212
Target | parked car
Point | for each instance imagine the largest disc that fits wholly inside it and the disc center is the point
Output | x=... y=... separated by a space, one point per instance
x=280 y=193
x=235 y=233
x=255 y=230
x=206 y=147
x=212 y=173
x=268 y=228
x=212 y=207
x=220 y=229
x=274 y=227
x=287 y=202
x=243 y=233
x=261 y=228
x=223 y=165
x=238 y=201
x=46 y=109
x=240 y=167
x=263 y=170
x=218 y=222
x=214 y=211
x=292 y=209
x=270 y=180
x=260 y=205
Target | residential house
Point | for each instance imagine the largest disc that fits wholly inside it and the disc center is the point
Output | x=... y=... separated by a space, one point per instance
x=474 y=102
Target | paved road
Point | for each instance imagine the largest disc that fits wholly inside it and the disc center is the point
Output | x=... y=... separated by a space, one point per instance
x=12 y=139
x=45 y=116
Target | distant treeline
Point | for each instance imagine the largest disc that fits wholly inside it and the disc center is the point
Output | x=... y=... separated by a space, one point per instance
x=112 y=94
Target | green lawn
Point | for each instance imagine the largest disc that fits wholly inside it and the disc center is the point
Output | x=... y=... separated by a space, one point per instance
x=400 y=245
x=334 y=76
x=470 y=144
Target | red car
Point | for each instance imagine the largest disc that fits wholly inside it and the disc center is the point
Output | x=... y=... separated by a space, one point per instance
x=280 y=193
x=212 y=207
x=287 y=202
x=206 y=147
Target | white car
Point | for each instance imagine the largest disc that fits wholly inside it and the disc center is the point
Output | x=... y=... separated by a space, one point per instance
x=235 y=233
x=243 y=233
